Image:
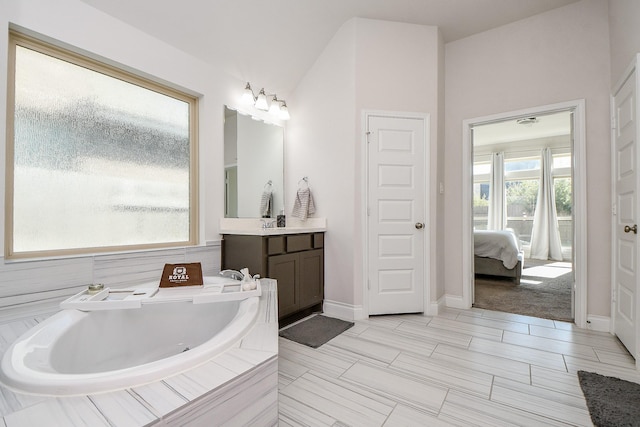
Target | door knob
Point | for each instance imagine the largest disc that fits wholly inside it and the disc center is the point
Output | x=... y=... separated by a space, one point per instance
x=634 y=229
x=419 y=225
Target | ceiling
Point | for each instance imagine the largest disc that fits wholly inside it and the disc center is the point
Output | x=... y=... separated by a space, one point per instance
x=509 y=131
x=274 y=43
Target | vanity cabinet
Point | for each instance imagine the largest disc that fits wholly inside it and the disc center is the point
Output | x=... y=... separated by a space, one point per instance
x=296 y=261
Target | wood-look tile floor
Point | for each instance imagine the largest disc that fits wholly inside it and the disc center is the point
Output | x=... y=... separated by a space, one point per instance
x=461 y=368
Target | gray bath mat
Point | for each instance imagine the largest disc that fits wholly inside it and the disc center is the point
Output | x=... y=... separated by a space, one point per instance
x=316 y=330
x=611 y=401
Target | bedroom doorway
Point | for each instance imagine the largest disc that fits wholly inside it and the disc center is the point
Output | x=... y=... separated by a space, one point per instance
x=523 y=193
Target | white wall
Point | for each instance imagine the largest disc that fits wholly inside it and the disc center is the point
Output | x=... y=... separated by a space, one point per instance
x=77 y=25
x=368 y=65
x=624 y=31
x=439 y=224
x=553 y=57
x=320 y=144
x=397 y=69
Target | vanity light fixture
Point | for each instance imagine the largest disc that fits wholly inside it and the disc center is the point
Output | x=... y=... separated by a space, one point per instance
x=277 y=107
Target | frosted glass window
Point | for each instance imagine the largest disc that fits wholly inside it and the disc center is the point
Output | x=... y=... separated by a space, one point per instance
x=98 y=162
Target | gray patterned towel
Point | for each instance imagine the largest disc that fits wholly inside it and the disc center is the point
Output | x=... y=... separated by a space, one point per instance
x=303 y=205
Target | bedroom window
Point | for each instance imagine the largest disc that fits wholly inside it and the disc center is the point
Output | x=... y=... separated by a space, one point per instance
x=522 y=165
x=564 y=209
x=562 y=164
x=563 y=192
x=521 y=198
x=522 y=181
x=481 y=171
x=98 y=159
x=480 y=205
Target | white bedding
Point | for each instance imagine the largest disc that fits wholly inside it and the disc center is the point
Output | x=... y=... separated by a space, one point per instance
x=502 y=245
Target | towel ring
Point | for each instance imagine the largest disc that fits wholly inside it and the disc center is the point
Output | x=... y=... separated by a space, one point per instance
x=268 y=184
x=305 y=180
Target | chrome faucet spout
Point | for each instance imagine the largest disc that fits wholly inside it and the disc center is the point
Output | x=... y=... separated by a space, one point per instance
x=232 y=274
x=267 y=222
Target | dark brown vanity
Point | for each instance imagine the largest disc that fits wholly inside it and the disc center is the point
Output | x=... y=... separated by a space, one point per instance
x=294 y=254
x=296 y=261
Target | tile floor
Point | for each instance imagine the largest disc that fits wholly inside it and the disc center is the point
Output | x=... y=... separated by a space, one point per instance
x=461 y=368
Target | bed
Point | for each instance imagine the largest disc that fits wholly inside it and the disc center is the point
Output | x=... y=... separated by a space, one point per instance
x=497 y=253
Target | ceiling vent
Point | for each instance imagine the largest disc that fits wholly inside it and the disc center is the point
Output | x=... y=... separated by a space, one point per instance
x=527 y=121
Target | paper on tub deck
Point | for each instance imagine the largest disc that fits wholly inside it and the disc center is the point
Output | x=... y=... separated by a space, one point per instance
x=178 y=275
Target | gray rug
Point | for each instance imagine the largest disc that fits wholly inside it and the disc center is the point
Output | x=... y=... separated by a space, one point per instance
x=535 y=296
x=611 y=401
x=316 y=330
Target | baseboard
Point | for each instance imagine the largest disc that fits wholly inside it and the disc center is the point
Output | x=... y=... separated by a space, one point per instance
x=433 y=309
x=342 y=310
x=455 y=301
x=598 y=323
x=436 y=307
x=356 y=312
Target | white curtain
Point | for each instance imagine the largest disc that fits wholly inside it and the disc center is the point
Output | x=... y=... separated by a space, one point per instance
x=545 y=236
x=497 y=205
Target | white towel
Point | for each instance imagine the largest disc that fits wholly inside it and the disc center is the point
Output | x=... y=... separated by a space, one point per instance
x=265 y=204
x=303 y=205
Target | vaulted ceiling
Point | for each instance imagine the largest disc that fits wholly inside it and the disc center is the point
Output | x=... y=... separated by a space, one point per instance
x=274 y=42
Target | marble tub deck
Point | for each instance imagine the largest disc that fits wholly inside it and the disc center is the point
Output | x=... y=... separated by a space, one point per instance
x=223 y=387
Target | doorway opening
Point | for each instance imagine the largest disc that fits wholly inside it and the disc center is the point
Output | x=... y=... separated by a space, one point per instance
x=523 y=156
x=526 y=205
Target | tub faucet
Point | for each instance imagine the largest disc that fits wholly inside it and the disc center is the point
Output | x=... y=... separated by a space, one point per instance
x=233 y=274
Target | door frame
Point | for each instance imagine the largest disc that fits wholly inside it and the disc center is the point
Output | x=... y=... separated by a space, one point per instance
x=579 y=200
x=364 y=203
x=628 y=73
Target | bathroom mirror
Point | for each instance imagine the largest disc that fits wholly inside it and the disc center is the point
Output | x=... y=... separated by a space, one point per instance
x=253 y=167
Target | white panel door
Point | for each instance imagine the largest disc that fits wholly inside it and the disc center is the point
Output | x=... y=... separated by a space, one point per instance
x=626 y=219
x=396 y=209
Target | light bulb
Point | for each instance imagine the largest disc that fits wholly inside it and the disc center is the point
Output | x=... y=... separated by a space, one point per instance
x=247 y=95
x=275 y=107
x=261 y=101
x=284 y=112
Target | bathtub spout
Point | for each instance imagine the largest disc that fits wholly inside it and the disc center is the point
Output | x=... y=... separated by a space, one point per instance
x=233 y=274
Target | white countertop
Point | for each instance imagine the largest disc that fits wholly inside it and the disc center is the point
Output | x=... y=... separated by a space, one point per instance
x=253 y=226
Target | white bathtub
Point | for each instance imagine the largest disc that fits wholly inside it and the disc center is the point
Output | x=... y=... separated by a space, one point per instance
x=78 y=353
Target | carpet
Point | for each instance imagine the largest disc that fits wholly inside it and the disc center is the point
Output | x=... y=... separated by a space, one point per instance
x=316 y=330
x=611 y=401
x=544 y=291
